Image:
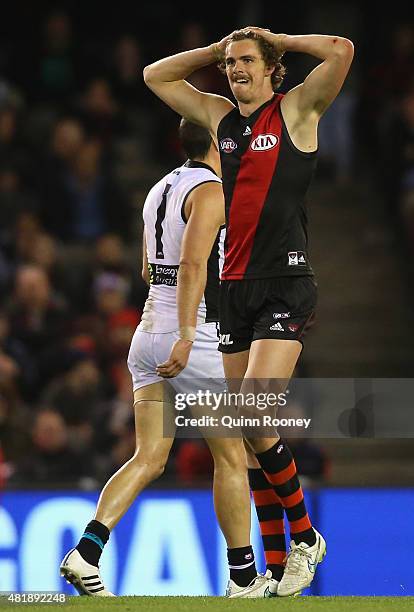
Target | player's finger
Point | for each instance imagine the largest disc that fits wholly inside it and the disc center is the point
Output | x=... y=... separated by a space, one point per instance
x=164 y=368
x=165 y=372
x=173 y=361
x=166 y=364
x=170 y=373
x=173 y=371
x=256 y=29
x=167 y=368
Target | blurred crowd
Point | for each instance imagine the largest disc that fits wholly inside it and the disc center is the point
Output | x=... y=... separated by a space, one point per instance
x=81 y=141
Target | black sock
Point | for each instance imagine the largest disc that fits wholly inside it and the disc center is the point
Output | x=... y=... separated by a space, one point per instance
x=91 y=544
x=242 y=565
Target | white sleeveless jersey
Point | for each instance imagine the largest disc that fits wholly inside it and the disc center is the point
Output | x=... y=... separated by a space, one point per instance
x=164 y=226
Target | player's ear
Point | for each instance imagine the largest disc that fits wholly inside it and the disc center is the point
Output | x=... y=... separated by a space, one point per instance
x=269 y=70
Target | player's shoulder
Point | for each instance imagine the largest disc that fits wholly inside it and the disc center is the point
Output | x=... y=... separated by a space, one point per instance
x=206 y=202
x=218 y=107
x=207 y=191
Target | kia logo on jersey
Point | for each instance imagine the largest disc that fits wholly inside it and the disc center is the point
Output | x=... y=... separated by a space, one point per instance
x=227 y=145
x=264 y=142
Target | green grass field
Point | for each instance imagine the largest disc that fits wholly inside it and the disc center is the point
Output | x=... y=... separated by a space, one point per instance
x=221 y=604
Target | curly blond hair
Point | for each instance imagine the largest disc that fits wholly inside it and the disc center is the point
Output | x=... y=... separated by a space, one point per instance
x=270 y=55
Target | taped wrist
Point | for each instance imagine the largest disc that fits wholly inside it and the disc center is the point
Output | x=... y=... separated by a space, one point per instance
x=187 y=333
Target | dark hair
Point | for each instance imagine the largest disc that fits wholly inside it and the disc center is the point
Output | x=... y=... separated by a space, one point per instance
x=270 y=55
x=195 y=139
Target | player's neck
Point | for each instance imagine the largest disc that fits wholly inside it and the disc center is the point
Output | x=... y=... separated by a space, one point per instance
x=213 y=161
x=248 y=109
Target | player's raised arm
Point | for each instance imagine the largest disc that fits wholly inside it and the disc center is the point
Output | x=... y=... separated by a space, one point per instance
x=324 y=83
x=166 y=78
x=205 y=219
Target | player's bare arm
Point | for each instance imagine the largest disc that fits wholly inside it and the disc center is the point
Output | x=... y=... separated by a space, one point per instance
x=166 y=78
x=303 y=105
x=324 y=83
x=205 y=213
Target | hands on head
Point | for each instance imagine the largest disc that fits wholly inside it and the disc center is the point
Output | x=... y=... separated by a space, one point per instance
x=219 y=47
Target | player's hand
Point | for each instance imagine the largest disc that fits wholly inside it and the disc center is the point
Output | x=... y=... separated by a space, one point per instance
x=177 y=360
x=256 y=29
x=221 y=44
x=275 y=39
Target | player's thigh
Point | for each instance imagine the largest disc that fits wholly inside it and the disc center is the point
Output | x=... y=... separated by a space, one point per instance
x=235 y=366
x=154 y=419
x=271 y=364
x=273 y=359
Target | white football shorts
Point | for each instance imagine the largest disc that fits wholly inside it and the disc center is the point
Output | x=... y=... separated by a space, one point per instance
x=204 y=369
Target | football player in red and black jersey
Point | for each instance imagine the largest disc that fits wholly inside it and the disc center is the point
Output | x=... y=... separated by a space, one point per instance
x=268 y=150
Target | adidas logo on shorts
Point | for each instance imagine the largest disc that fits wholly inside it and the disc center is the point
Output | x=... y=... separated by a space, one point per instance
x=277 y=327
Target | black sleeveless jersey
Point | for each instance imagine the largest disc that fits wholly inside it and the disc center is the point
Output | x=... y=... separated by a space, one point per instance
x=265 y=181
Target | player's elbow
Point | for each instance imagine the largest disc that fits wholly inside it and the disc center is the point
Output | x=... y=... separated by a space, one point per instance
x=192 y=266
x=148 y=73
x=343 y=47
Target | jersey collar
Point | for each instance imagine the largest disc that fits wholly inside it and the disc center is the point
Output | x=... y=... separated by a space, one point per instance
x=190 y=163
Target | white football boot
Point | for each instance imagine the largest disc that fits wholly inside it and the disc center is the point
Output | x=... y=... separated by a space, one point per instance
x=301 y=565
x=261 y=586
x=83 y=576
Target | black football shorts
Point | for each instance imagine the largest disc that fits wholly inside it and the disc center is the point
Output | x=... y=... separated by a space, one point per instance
x=253 y=309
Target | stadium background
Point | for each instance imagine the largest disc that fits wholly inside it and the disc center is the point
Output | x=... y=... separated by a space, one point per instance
x=78 y=129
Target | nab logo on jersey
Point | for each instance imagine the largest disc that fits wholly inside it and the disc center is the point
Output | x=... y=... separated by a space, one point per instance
x=264 y=142
x=227 y=145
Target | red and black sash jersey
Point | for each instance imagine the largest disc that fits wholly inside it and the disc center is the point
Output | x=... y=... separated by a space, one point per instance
x=265 y=181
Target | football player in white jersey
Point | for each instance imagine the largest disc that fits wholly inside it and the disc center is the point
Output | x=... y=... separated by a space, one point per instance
x=184 y=208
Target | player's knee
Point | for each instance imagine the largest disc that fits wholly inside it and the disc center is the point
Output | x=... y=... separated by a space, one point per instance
x=152 y=460
x=231 y=455
x=261 y=445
